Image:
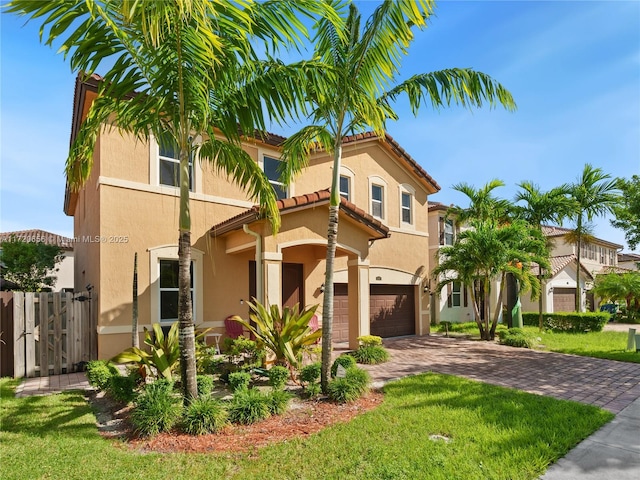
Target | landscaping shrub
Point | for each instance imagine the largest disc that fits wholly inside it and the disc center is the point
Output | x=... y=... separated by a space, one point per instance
x=517 y=337
x=99 y=373
x=313 y=390
x=346 y=361
x=278 y=401
x=248 y=406
x=160 y=385
x=206 y=360
x=370 y=340
x=239 y=381
x=204 y=415
x=278 y=377
x=122 y=388
x=349 y=388
x=310 y=373
x=205 y=385
x=371 y=354
x=569 y=321
x=156 y=410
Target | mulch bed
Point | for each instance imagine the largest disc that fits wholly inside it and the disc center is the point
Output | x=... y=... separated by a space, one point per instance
x=303 y=418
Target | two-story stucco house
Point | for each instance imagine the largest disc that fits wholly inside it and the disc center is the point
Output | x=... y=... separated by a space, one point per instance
x=559 y=290
x=130 y=204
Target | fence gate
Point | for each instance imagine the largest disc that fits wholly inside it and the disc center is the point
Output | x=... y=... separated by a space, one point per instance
x=52 y=332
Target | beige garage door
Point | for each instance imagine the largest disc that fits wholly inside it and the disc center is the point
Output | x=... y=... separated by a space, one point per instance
x=564 y=299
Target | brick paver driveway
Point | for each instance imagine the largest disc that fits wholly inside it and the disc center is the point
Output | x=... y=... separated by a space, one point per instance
x=605 y=383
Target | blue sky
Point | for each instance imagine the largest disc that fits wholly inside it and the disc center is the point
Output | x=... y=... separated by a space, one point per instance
x=572 y=66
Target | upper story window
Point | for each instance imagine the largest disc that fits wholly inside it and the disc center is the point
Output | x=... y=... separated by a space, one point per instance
x=169 y=290
x=345 y=187
x=377 y=201
x=169 y=162
x=612 y=257
x=447 y=231
x=270 y=166
x=407 y=193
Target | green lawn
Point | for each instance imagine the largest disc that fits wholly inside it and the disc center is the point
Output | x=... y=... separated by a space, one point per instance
x=495 y=433
x=609 y=345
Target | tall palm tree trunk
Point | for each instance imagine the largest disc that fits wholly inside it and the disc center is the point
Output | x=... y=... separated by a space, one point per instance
x=332 y=242
x=496 y=314
x=578 y=255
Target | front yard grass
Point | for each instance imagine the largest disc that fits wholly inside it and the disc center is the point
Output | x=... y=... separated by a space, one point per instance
x=608 y=345
x=481 y=432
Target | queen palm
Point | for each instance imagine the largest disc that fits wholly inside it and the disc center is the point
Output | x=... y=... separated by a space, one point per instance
x=366 y=62
x=594 y=194
x=540 y=207
x=182 y=70
x=483 y=205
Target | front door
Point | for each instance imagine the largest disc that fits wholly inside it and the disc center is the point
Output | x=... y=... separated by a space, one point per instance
x=292 y=285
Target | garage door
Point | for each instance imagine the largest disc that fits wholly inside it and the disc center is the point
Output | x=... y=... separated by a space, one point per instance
x=392 y=310
x=564 y=299
x=340 y=313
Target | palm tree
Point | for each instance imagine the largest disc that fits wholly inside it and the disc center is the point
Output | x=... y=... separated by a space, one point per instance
x=483 y=205
x=541 y=207
x=487 y=253
x=366 y=62
x=185 y=69
x=594 y=194
x=616 y=287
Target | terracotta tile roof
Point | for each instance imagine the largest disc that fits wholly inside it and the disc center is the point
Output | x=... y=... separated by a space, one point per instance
x=628 y=257
x=433 y=206
x=558 y=263
x=401 y=152
x=553 y=231
x=299 y=202
x=614 y=269
x=38 y=236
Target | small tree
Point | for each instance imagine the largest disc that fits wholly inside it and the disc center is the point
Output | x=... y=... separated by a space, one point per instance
x=627 y=211
x=30 y=265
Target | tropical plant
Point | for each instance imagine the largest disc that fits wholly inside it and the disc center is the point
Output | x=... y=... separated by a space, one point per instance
x=29 y=265
x=370 y=340
x=278 y=401
x=344 y=361
x=155 y=410
x=310 y=373
x=249 y=406
x=483 y=205
x=370 y=354
x=186 y=70
x=627 y=211
x=540 y=207
x=99 y=373
x=164 y=353
x=486 y=253
x=278 y=376
x=358 y=96
x=352 y=386
x=205 y=385
x=285 y=334
x=517 y=337
x=239 y=381
x=616 y=287
x=204 y=415
x=594 y=194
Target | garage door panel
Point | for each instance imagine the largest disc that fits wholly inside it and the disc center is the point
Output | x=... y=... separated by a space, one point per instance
x=340 y=313
x=564 y=299
x=392 y=310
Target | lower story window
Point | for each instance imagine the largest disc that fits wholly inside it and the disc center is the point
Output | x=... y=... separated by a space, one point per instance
x=169 y=290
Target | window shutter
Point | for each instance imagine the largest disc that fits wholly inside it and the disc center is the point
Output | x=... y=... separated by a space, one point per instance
x=441 y=229
x=449 y=299
x=466 y=295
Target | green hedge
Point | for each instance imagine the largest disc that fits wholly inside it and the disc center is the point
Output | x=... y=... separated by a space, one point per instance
x=569 y=321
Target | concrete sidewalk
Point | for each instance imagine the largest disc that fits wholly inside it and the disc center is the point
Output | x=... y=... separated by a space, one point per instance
x=612 y=453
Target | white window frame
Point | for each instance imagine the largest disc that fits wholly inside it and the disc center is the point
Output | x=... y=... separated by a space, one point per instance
x=350 y=175
x=456 y=294
x=154 y=167
x=378 y=182
x=170 y=252
x=346 y=194
x=287 y=190
x=406 y=190
x=449 y=222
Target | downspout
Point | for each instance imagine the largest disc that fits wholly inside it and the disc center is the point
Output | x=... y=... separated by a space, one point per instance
x=259 y=265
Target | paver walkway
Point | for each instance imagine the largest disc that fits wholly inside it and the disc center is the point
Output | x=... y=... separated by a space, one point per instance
x=605 y=383
x=52 y=384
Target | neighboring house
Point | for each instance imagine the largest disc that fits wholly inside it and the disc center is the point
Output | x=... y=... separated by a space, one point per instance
x=454 y=302
x=629 y=261
x=559 y=290
x=65 y=274
x=130 y=204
